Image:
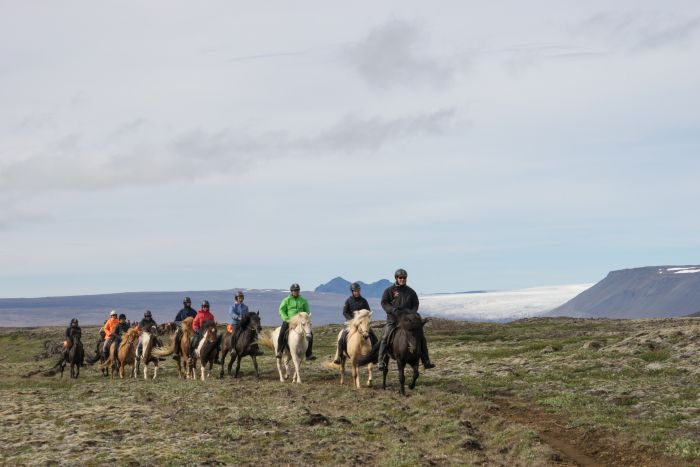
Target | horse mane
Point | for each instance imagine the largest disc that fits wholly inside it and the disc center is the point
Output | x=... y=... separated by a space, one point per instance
x=129 y=333
x=294 y=320
x=187 y=323
x=245 y=321
x=359 y=316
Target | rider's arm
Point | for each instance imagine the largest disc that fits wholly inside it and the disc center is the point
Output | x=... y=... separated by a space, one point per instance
x=387 y=301
x=346 y=310
x=414 y=302
x=232 y=313
x=283 y=310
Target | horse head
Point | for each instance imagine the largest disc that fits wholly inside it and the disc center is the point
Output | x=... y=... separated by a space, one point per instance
x=412 y=322
x=255 y=321
x=361 y=322
x=301 y=323
x=210 y=332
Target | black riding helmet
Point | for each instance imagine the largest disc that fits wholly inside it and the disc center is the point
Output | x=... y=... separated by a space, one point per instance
x=122 y=316
x=74 y=321
x=186 y=300
x=354 y=286
x=294 y=287
x=205 y=303
x=400 y=273
x=147 y=314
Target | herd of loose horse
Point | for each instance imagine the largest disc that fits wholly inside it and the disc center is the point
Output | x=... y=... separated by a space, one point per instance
x=404 y=347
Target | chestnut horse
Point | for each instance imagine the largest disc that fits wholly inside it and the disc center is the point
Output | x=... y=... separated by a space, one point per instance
x=126 y=355
x=183 y=361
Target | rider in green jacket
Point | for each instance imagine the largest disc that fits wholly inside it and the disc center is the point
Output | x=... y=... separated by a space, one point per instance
x=292 y=305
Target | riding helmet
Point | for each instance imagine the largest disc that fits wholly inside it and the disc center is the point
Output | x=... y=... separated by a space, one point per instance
x=239 y=294
x=147 y=314
x=205 y=303
x=400 y=273
x=113 y=313
x=186 y=300
x=74 y=321
x=294 y=287
x=122 y=316
x=354 y=286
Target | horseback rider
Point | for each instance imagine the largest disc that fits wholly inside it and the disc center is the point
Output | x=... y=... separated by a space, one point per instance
x=397 y=300
x=72 y=331
x=122 y=326
x=355 y=302
x=202 y=316
x=292 y=305
x=237 y=311
x=147 y=324
x=110 y=328
x=186 y=312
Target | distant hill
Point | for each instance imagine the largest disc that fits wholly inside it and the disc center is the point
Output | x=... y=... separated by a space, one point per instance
x=654 y=291
x=341 y=286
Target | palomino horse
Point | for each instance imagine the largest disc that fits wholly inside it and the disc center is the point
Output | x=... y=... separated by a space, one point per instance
x=206 y=350
x=148 y=340
x=246 y=343
x=404 y=347
x=358 y=345
x=126 y=355
x=183 y=361
x=297 y=342
x=75 y=357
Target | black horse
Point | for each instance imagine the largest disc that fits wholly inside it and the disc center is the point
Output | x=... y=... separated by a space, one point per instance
x=243 y=341
x=74 y=357
x=404 y=346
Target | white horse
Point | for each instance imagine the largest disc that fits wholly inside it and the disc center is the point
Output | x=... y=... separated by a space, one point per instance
x=298 y=341
x=358 y=345
x=146 y=357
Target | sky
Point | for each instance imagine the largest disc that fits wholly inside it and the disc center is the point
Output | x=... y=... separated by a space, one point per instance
x=172 y=145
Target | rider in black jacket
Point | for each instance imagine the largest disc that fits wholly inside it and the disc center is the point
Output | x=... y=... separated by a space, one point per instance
x=397 y=300
x=71 y=331
x=355 y=302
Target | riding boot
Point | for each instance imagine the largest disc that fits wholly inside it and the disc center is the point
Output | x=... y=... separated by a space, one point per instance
x=425 y=358
x=382 y=345
x=342 y=347
x=309 y=350
x=282 y=339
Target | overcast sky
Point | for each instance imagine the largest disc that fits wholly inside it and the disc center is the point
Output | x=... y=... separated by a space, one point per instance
x=170 y=145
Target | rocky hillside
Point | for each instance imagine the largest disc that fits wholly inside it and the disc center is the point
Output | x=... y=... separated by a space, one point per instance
x=656 y=291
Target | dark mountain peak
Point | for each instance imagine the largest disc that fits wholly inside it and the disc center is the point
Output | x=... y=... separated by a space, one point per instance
x=339 y=285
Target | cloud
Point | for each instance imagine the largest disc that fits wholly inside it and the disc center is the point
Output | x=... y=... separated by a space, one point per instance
x=639 y=31
x=390 y=54
x=125 y=158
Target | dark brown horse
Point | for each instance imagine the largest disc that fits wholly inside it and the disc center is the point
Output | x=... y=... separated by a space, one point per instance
x=242 y=342
x=74 y=357
x=404 y=346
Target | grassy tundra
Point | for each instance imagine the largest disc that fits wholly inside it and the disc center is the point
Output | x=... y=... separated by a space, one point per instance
x=532 y=392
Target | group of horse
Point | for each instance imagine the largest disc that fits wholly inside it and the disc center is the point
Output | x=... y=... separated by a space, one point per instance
x=404 y=346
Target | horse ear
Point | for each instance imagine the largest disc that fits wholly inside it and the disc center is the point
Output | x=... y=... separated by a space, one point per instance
x=425 y=320
x=257 y=312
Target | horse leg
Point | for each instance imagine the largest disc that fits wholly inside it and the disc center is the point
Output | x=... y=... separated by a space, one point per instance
x=297 y=373
x=356 y=376
x=255 y=365
x=369 y=373
x=145 y=371
x=224 y=352
x=238 y=364
x=230 y=364
x=402 y=376
x=279 y=369
x=415 y=376
x=155 y=370
x=384 y=372
x=342 y=370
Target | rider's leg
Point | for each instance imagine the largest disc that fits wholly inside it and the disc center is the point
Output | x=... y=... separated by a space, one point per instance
x=309 y=350
x=178 y=339
x=382 y=345
x=342 y=346
x=105 y=350
x=282 y=339
x=425 y=358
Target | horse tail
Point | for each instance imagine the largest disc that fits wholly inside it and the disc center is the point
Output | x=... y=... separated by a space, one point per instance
x=371 y=357
x=164 y=351
x=265 y=339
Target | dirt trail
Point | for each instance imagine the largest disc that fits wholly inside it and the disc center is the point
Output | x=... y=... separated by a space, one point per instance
x=577 y=445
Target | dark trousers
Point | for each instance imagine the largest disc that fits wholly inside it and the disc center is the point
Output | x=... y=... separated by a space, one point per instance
x=282 y=340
